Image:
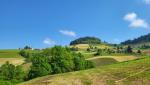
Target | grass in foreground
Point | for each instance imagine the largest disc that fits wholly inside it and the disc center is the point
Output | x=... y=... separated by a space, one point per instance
x=135 y=72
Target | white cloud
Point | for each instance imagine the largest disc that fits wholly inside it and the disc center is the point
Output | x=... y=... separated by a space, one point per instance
x=135 y=21
x=130 y=16
x=139 y=23
x=68 y=33
x=146 y=1
x=48 y=41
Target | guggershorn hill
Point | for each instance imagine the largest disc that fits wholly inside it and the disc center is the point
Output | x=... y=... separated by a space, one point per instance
x=86 y=40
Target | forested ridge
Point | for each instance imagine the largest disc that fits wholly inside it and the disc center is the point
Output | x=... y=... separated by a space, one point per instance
x=139 y=40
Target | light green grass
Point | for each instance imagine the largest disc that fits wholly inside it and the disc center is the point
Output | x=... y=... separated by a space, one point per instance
x=12 y=56
x=9 y=54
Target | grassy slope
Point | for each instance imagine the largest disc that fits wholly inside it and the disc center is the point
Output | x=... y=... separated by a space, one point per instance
x=135 y=72
x=12 y=56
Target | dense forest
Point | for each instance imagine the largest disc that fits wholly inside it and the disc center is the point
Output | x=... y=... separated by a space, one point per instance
x=86 y=40
x=142 y=39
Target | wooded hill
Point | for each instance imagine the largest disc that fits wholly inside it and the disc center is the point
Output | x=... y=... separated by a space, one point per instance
x=86 y=40
x=140 y=40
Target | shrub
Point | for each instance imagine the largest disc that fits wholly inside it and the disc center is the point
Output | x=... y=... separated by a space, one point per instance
x=10 y=72
x=99 y=52
x=40 y=67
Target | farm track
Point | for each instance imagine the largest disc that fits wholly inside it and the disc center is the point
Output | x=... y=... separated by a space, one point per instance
x=132 y=75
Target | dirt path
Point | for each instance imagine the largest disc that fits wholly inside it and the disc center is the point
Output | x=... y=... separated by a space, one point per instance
x=132 y=75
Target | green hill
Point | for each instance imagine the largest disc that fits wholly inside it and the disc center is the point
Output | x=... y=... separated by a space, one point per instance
x=135 y=72
x=86 y=40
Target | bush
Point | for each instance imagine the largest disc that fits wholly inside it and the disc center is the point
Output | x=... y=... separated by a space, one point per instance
x=81 y=63
x=129 y=49
x=139 y=52
x=61 y=59
x=99 y=52
x=10 y=72
x=40 y=67
x=24 y=54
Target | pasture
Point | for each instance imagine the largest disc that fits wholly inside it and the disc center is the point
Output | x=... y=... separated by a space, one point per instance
x=12 y=56
x=106 y=60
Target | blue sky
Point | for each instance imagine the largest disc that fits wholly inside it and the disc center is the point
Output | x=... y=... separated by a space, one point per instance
x=43 y=23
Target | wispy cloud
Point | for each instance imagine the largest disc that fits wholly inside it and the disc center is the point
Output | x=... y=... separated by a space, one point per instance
x=135 y=21
x=68 y=33
x=146 y=1
x=48 y=41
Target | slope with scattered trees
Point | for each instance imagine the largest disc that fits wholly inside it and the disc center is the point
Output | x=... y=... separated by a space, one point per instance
x=139 y=40
x=134 y=72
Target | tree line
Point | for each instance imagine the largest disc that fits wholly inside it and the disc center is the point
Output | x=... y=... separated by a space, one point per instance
x=142 y=39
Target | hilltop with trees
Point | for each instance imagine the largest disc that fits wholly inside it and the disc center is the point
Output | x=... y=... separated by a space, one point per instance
x=86 y=40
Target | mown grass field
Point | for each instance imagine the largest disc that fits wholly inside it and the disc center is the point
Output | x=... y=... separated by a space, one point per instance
x=134 y=72
x=106 y=60
x=12 y=56
x=103 y=61
x=117 y=58
x=9 y=54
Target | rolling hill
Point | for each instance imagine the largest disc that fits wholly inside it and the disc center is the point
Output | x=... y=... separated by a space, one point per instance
x=135 y=72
